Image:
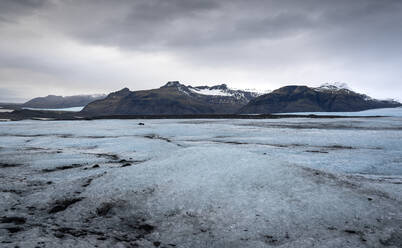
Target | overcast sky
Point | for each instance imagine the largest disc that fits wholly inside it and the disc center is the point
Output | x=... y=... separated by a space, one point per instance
x=68 y=47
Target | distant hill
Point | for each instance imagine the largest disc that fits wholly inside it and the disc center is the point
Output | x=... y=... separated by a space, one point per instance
x=326 y=98
x=52 y=101
x=172 y=98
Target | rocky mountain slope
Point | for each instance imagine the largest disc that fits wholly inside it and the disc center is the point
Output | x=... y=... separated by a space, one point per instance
x=172 y=98
x=52 y=101
x=326 y=98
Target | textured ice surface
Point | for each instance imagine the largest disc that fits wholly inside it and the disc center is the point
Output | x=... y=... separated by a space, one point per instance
x=3 y=110
x=71 y=109
x=395 y=112
x=201 y=183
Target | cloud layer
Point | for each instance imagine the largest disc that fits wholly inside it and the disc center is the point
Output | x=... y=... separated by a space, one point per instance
x=96 y=46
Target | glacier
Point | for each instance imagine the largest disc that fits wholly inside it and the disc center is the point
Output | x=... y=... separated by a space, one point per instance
x=290 y=182
x=389 y=112
x=71 y=109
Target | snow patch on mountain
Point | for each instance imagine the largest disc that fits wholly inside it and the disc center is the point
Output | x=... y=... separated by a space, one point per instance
x=255 y=92
x=223 y=90
x=216 y=91
x=333 y=87
x=210 y=92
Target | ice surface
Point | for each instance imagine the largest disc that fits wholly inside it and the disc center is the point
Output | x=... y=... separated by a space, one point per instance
x=3 y=110
x=294 y=182
x=395 y=112
x=72 y=109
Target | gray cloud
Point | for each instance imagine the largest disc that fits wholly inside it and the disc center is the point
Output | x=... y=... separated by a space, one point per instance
x=165 y=24
x=256 y=43
x=12 y=10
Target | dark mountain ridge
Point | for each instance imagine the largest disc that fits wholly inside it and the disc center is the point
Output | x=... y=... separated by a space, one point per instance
x=172 y=98
x=326 y=98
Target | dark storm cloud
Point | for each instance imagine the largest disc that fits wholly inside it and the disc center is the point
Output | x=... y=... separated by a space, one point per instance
x=177 y=24
x=345 y=38
x=12 y=10
x=165 y=24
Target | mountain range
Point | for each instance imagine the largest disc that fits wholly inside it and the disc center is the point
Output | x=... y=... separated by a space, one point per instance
x=177 y=99
x=174 y=98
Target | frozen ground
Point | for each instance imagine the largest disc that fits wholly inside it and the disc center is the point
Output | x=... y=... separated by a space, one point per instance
x=72 y=109
x=393 y=112
x=201 y=183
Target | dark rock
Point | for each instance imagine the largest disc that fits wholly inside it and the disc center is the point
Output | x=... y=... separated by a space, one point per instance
x=339 y=147
x=316 y=151
x=146 y=227
x=87 y=182
x=3 y=165
x=65 y=167
x=16 y=220
x=62 y=205
x=104 y=209
x=59 y=235
x=14 y=229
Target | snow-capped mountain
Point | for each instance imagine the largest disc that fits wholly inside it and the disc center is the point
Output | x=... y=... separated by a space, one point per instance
x=336 y=97
x=173 y=98
x=344 y=88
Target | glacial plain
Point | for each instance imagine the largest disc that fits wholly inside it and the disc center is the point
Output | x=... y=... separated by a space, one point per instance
x=297 y=182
